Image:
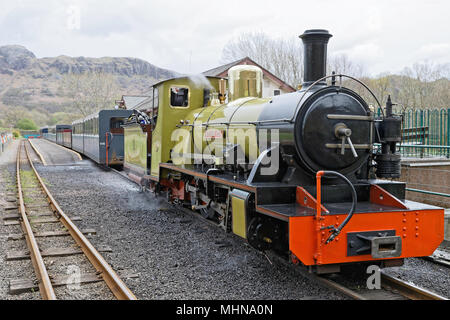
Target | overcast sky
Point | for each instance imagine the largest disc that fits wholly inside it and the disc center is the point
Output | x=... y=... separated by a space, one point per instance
x=188 y=36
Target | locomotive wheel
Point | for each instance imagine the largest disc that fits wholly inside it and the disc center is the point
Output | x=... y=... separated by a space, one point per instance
x=256 y=234
x=207 y=213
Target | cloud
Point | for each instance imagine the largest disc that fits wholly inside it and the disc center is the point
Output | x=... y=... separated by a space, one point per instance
x=188 y=36
x=439 y=52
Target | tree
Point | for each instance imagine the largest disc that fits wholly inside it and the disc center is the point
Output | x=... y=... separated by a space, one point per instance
x=91 y=91
x=423 y=85
x=26 y=124
x=14 y=114
x=341 y=64
x=284 y=58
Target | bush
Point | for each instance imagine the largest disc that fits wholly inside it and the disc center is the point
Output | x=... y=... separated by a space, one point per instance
x=16 y=133
x=26 y=124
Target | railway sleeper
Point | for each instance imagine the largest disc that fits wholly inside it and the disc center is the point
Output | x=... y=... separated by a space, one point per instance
x=18 y=286
x=51 y=252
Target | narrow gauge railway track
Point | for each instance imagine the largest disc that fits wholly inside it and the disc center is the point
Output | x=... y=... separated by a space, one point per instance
x=37 y=187
x=441 y=256
x=391 y=288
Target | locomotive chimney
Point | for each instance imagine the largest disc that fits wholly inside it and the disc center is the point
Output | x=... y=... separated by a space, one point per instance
x=314 y=54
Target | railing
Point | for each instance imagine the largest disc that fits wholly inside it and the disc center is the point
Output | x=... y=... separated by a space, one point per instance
x=30 y=134
x=429 y=192
x=425 y=133
x=5 y=140
x=436 y=121
x=424 y=151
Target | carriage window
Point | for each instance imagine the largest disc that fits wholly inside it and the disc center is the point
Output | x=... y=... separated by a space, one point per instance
x=116 y=123
x=179 y=97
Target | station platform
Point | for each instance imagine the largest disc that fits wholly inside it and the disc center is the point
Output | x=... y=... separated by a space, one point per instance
x=54 y=154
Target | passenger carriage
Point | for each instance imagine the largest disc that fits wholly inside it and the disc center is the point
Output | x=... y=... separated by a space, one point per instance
x=64 y=135
x=100 y=136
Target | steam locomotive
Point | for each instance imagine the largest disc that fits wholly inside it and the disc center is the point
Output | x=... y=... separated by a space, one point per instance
x=307 y=175
x=299 y=174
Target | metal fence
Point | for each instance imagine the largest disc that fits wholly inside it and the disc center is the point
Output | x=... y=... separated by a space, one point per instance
x=425 y=133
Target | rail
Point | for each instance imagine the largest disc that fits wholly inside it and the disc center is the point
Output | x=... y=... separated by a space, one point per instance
x=391 y=288
x=115 y=284
x=403 y=289
x=429 y=192
x=45 y=285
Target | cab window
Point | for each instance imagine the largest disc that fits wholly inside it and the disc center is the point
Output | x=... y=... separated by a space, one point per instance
x=179 y=97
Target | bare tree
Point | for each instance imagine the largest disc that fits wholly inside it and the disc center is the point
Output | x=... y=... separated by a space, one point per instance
x=340 y=63
x=281 y=57
x=424 y=85
x=90 y=92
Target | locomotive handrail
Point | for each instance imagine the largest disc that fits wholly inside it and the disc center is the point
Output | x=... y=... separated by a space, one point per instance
x=298 y=104
x=231 y=123
x=333 y=76
x=334 y=231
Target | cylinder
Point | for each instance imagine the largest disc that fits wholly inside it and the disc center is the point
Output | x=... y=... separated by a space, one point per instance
x=314 y=54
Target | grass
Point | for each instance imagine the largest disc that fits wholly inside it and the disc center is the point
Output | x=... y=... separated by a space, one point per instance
x=28 y=179
x=48 y=184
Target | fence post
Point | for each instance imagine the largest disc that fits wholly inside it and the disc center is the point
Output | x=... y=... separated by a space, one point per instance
x=448 y=132
x=421 y=136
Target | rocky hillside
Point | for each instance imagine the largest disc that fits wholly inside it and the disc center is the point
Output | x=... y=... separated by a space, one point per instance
x=35 y=83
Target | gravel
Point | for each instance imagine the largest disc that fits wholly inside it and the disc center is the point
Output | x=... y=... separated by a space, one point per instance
x=55 y=265
x=11 y=269
x=426 y=274
x=175 y=255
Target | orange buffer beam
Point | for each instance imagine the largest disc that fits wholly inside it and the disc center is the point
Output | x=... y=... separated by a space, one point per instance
x=422 y=231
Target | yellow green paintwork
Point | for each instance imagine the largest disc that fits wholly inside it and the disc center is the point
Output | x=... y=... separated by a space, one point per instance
x=239 y=220
x=178 y=127
x=169 y=117
x=135 y=150
x=236 y=114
